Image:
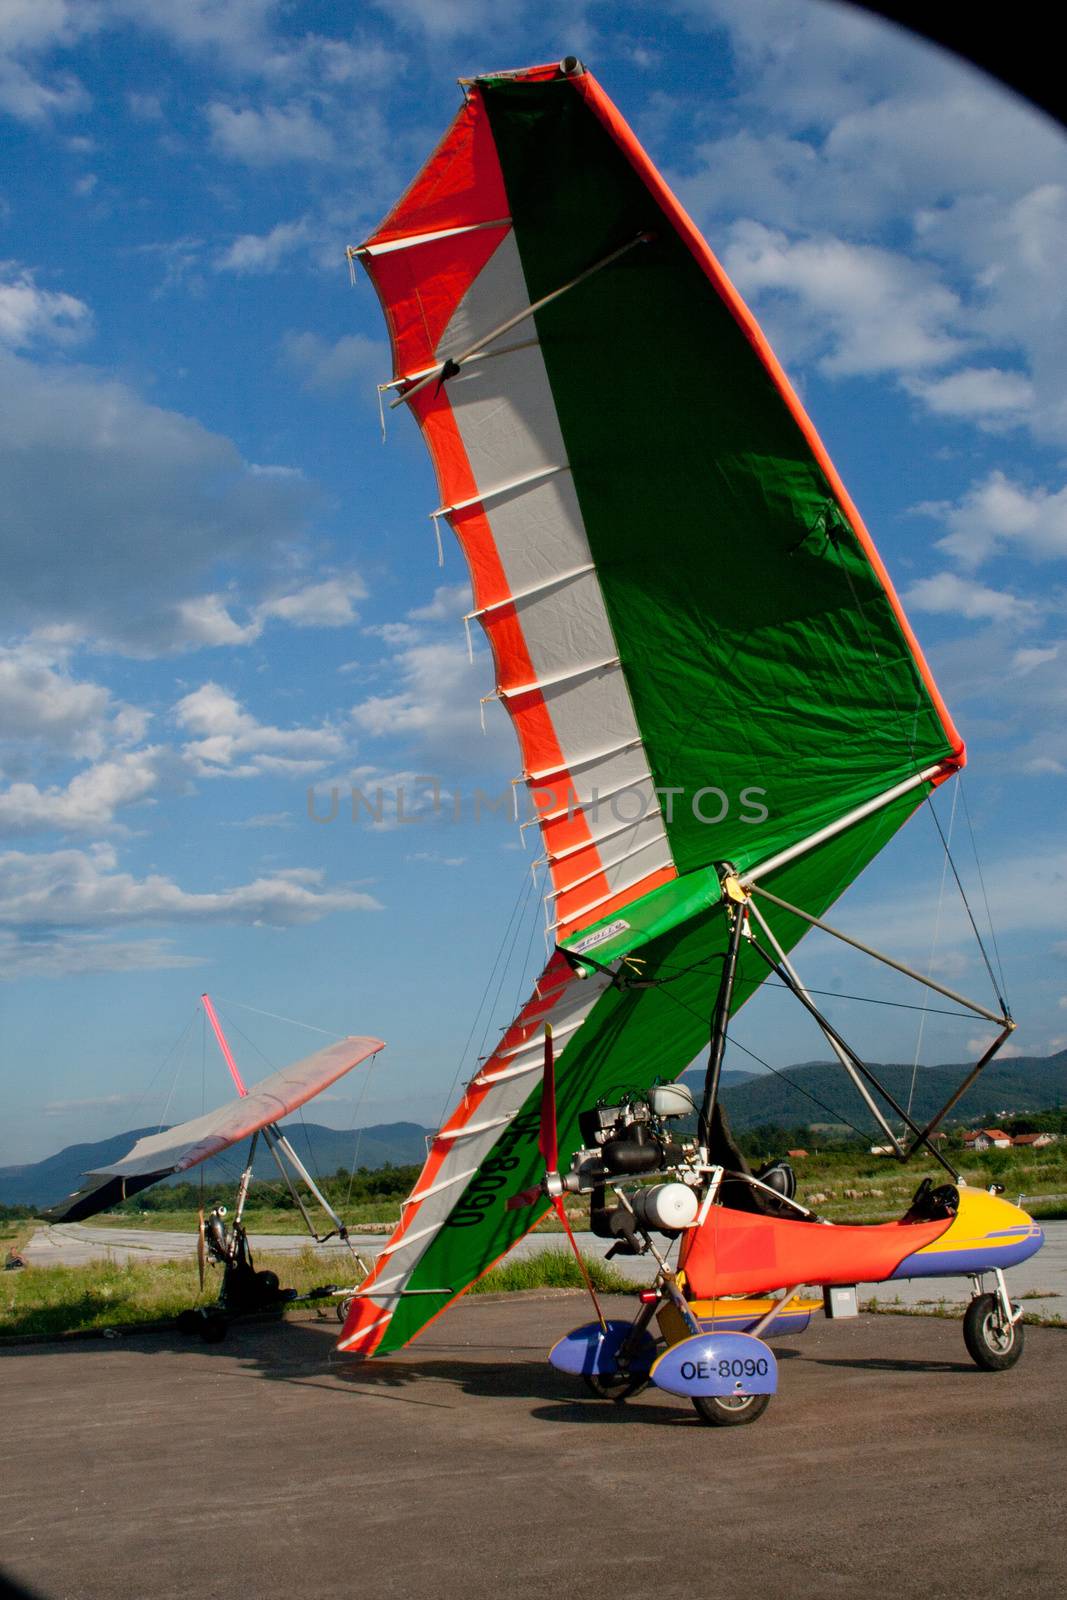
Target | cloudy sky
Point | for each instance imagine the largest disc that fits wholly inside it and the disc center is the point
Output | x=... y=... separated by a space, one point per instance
x=221 y=589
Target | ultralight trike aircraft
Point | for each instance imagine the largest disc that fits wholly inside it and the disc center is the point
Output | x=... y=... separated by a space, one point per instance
x=723 y=716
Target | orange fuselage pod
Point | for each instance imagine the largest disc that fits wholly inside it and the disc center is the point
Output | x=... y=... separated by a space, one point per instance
x=737 y=1252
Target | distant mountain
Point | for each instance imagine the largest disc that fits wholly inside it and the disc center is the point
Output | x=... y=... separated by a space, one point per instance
x=397 y=1144
x=817 y=1092
x=820 y=1092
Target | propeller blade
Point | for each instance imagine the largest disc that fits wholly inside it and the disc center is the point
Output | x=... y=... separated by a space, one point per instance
x=548 y=1141
x=525 y=1197
x=201 y=1251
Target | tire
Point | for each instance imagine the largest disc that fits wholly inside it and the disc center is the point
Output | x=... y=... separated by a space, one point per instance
x=614 y=1386
x=344 y=1306
x=989 y=1345
x=730 y=1411
x=213 y=1329
x=267 y=1285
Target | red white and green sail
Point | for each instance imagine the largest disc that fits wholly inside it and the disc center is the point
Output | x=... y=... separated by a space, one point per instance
x=692 y=631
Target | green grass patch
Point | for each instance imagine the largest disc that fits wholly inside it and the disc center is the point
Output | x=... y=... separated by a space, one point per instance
x=111 y=1294
x=552 y=1269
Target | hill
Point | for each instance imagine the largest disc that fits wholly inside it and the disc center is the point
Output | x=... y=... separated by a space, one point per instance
x=816 y=1092
x=820 y=1092
x=396 y=1144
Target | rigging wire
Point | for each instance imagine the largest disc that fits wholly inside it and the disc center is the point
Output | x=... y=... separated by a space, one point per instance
x=830 y=1111
x=524 y=980
x=492 y=1013
x=981 y=881
x=485 y=994
x=274 y=1068
x=274 y=1016
x=358 y=1131
x=909 y=738
x=176 y=1050
x=970 y=914
x=930 y=963
x=771 y=984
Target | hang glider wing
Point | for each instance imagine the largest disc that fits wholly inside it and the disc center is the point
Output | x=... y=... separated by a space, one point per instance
x=698 y=644
x=159 y=1155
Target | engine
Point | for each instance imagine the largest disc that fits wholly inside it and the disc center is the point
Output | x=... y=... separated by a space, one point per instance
x=632 y=1139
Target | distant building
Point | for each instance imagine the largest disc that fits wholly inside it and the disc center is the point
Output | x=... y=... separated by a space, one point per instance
x=987 y=1139
x=1034 y=1141
x=795 y=1155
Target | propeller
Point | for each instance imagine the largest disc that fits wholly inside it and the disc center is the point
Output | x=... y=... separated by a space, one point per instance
x=552 y=1183
x=201 y=1248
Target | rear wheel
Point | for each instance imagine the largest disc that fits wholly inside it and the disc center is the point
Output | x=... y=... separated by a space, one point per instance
x=212 y=1328
x=993 y=1343
x=730 y=1410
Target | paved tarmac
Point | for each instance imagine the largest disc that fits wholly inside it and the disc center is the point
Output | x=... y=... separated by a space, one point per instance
x=74 y=1244
x=270 y=1466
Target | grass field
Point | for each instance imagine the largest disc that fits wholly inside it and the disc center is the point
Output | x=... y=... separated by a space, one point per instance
x=839 y=1185
x=57 y=1300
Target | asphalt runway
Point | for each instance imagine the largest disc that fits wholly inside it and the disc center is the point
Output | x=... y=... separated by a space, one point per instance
x=270 y=1466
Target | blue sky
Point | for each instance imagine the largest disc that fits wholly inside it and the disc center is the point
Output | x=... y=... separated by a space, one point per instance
x=221 y=589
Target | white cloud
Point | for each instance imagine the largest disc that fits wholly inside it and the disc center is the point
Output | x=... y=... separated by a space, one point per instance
x=981 y=1042
x=29 y=314
x=229 y=742
x=267 y=819
x=88 y=803
x=264 y=252
x=327 y=604
x=271 y=137
x=1027 y=661
x=437 y=699
x=979 y=392
x=949 y=594
x=84 y=888
x=28 y=30
x=998 y=514
x=207 y=620
x=860 y=309
x=328 y=367
x=65 y=955
x=42 y=702
x=451 y=602
x=204 y=620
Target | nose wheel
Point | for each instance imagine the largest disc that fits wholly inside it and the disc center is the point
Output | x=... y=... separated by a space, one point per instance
x=993 y=1328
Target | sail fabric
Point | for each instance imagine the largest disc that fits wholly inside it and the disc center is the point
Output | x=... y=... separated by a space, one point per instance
x=699 y=647
x=172 y=1150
